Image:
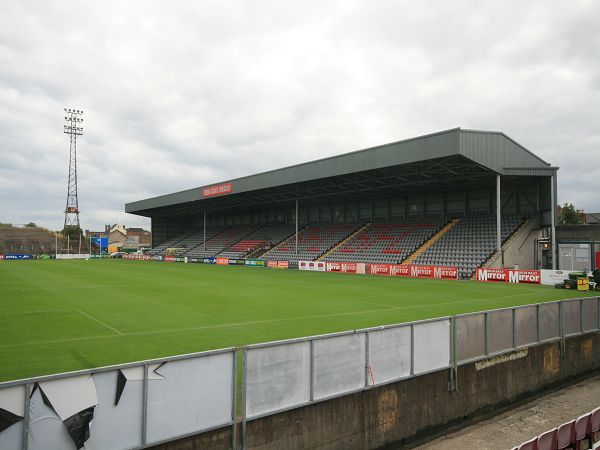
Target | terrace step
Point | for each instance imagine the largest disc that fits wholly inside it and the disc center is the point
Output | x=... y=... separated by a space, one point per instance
x=436 y=237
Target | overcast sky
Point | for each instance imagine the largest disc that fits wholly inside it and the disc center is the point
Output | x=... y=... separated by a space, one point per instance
x=181 y=94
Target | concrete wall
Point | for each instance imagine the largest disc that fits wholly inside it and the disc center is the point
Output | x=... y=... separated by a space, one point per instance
x=519 y=249
x=578 y=233
x=388 y=416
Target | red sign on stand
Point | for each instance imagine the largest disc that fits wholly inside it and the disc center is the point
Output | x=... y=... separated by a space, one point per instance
x=217 y=189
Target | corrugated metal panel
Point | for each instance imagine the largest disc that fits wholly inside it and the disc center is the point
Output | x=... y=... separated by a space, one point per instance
x=529 y=172
x=417 y=149
x=497 y=151
x=492 y=150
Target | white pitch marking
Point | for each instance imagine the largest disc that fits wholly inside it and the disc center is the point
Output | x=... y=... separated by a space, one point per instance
x=104 y=324
x=37 y=312
x=255 y=322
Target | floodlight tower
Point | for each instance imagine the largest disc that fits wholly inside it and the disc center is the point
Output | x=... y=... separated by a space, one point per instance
x=72 y=127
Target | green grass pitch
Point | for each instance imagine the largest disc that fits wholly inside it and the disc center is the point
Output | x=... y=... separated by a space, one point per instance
x=58 y=316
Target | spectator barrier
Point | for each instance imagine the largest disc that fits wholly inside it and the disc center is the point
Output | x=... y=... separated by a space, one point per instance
x=138 y=404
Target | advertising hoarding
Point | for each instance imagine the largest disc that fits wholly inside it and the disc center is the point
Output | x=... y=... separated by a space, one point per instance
x=17 y=256
x=553 y=277
x=277 y=264
x=255 y=262
x=508 y=275
x=315 y=266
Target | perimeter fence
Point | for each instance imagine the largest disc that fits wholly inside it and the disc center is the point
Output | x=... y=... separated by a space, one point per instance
x=145 y=403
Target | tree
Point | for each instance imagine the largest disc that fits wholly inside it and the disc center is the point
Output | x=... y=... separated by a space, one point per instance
x=73 y=232
x=31 y=225
x=568 y=215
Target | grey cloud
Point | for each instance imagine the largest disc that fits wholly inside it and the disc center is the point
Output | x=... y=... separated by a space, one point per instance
x=177 y=97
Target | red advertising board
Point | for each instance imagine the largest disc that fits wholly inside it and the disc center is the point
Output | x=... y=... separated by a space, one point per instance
x=400 y=270
x=414 y=270
x=492 y=275
x=445 y=272
x=1 y=257
x=379 y=269
x=524 y=276
x=334 y=267
x=217 y=189
x=345 y=267
x=509 y=275
x=277 y=264
x=138 y=256
x=169 y=258
x=597 y=260
x=223 y=261
x=421 y=271
x=349 y=267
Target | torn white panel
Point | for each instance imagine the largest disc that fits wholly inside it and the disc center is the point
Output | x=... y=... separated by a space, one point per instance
x=154 y=371
x=194 y=395
x=116 y=427
x=46 y=430
x=134 y=373
x=12 y=399
x=11 y=438
x=70 y=395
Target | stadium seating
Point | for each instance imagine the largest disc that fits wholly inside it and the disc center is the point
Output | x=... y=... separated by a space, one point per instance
x=262 y=239
x=387 y=242
x=582 y=433
x=548 y=440
x=595 y=429
x=221 y=241
x=171 y=243
x=529 y=445
x=566 y=435
x=196 y=239
x=313 y=241
x=583 y=430
x=32 y=240
x=469 y=243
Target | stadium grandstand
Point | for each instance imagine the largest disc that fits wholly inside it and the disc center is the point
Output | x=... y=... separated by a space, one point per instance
x=29 y=239
x=449 y=198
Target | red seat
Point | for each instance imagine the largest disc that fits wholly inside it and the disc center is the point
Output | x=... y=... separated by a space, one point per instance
x=548 y=440
x=529 y=445
x=566 y=435
x=595 y=425
x=583 y=430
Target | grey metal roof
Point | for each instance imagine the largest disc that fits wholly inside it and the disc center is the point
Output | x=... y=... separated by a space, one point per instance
x=493 y=151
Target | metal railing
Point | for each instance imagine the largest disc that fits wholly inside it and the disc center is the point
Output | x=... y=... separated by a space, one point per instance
x=169 y=398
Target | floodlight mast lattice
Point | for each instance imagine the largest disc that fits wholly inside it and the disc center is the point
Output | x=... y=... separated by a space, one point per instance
x=73 y=127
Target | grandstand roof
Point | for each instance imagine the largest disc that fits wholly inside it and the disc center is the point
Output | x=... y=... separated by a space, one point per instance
x=443 y=159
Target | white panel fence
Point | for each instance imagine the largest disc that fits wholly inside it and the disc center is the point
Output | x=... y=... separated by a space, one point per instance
x=135 y=405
